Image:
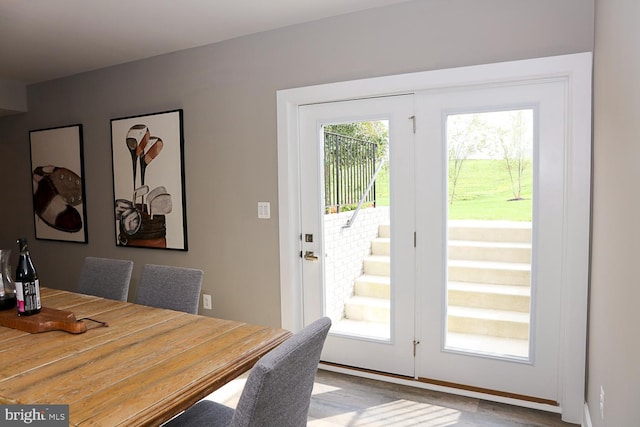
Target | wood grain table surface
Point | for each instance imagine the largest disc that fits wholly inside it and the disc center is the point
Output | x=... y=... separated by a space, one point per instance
x=148 y=365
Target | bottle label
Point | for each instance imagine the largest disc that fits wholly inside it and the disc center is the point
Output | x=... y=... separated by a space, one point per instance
x=28 y=296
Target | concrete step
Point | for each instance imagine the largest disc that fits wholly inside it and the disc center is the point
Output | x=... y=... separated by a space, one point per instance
x=362 y=328
x=459 y=341
x=482 y=231
x=488 y=345
x=494 y=323
x=373 y=286
x=490 y=251
x=381 y=246
x=377 y=265
x=368 y=309
x=496 y=297
x=498 y=273
x=490 y=231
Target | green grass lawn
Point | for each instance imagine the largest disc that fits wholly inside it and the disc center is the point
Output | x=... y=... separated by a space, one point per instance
x=483 y=192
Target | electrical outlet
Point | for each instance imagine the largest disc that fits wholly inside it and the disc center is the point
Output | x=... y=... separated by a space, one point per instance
x=602 y=402
x=206 y=301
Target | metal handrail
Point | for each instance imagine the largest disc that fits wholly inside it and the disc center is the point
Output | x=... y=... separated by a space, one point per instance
x=366 y=193
x=349 y=165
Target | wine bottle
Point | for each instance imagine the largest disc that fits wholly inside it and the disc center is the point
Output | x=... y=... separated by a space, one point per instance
x=27 y=283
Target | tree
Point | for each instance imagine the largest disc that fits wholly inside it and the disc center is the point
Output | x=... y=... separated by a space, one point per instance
x=466 y=135
x=371 y=131
x=516 y=141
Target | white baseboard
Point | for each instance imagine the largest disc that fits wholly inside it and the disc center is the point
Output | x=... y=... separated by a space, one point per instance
x=445 y=389
x=586 y=417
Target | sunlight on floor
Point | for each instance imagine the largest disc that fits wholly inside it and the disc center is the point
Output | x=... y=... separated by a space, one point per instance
x=397 y=413
x=328 y=409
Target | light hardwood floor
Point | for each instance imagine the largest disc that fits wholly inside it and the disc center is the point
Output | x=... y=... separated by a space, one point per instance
x=344 y=400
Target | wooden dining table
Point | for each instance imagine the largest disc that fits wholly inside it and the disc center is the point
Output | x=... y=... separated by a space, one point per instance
x=145 y=367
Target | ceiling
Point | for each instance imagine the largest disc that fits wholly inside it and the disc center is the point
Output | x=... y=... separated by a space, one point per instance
x=46 y=39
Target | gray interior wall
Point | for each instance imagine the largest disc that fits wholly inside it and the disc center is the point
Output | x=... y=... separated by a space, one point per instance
x=13 y=97
x=615 y=286
x=228 y=92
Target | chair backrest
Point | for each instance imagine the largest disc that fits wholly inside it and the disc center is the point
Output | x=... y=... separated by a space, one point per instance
x=278 y=389
x=105 y=277
x=174 y=288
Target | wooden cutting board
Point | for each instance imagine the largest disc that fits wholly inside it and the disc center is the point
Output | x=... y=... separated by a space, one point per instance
x=49 y=319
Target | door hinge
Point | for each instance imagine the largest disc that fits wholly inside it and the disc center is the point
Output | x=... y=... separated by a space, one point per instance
x=415 y=239
x=413 y=119
x=415 y=344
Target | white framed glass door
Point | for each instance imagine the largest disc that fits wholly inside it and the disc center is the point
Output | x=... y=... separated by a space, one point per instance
x=357 y=229
x=491 y=196
x=439 y=95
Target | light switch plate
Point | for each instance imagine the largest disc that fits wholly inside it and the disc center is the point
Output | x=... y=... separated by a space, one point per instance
x=264 y=210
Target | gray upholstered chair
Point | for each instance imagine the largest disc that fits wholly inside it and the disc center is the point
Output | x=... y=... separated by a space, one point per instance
x=175 y=288
x=277 y=391
x=105 y=277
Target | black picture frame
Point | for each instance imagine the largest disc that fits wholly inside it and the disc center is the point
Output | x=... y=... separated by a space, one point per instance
x=148 y=181
x=57 y=173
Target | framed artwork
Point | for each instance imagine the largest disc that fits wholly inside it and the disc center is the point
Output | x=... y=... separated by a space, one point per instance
x=148 y=181
x=57 y=172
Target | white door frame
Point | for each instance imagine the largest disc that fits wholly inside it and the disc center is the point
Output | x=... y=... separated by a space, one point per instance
x=392 y=353
x=536 y=373
x=576 y=69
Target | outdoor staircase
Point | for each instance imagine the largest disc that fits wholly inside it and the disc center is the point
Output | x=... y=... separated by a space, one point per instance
x=372 y=293
x=488 y=290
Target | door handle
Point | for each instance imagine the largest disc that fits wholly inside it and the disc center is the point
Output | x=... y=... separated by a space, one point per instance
x=310 y=256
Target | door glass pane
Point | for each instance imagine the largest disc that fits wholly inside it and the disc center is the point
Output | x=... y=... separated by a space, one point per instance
x=490 y=193
x=357 y=237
